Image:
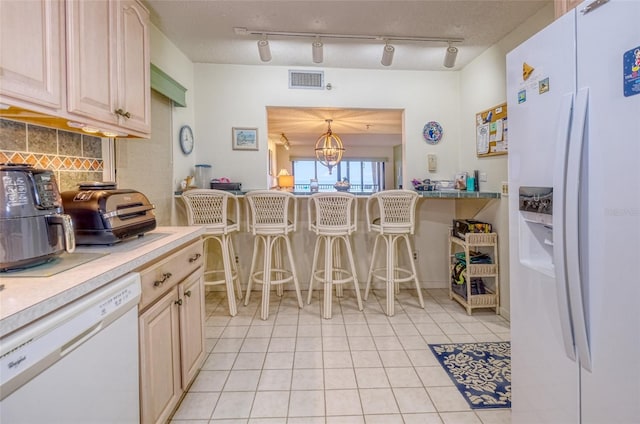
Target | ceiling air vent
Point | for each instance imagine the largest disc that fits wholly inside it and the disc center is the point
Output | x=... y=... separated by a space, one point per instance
x=306 y=79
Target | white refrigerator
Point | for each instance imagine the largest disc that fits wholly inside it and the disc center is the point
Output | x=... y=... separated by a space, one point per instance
x=574 y=218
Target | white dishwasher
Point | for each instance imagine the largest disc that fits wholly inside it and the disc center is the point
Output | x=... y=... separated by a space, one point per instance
x=78 y=364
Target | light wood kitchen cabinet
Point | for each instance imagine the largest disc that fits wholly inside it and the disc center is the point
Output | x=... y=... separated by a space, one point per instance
x=108 y=62
x=171 y=330
x=85 y=62
x=32 y=52
x=563 y=6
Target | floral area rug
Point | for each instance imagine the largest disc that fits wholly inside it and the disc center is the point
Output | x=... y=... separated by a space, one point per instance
x=480 y=371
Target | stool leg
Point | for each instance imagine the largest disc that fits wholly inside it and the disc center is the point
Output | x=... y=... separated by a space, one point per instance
x=413 y=269
x=373 y=261
x=266 y=276
x=327 y=301
x=337 y=264
x=256 y=247
x=234 y=268
x=294 y=274
x=352 y=264
x=390 y=283
x=279 y=264
x=316 y=251
x=228 y=275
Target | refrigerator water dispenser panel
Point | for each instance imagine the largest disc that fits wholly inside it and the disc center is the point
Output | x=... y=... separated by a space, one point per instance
x=536 y=204
x=536 y=228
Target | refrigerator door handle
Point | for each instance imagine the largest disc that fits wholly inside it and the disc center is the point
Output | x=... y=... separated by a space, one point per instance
x=559 y=195
x=576 y=281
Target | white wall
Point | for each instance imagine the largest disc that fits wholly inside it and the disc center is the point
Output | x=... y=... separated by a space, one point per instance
x=166 y=56
x=236 y=95
x=220 y=97
x=482 y=86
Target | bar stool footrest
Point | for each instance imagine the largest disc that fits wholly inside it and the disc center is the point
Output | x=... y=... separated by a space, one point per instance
x=381 y=274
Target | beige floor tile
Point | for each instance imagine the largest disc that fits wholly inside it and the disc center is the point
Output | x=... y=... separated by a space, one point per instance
x=371 y=378
x=242 y=381
x=343 y=402
x=413 y=400
x=306 y=403
x=275 y=380
x=424 y=418
x=366 y=359
x=270 y=404
x=434 y=376
x=308 y=379
x=494 y=416
x=358 y=367
x=378 y=401
x=459 y=418
x=448 y=399
x=403 y=377
x=233 y=405
x=197 y=406
x=339 y=378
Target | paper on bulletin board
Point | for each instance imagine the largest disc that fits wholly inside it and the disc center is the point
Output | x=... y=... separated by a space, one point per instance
x=483 y=139
x=491 y=131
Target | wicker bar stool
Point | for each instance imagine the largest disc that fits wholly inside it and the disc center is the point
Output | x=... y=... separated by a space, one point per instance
x=394 y=221
x=219 y=212
x=333 y=217
x=271 y=216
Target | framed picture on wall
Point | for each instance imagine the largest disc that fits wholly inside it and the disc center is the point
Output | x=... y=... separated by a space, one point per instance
x=244 y=138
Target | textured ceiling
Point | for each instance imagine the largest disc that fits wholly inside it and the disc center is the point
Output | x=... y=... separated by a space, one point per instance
x=204 y=31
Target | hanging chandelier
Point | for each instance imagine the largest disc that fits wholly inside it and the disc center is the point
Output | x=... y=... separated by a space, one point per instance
x=329 y=148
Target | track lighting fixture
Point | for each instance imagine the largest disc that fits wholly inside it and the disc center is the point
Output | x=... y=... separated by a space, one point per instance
x=263 y=49
x=387 y=54
x=285 y=141
x=316 y=50
x=317 y=44
x=450 y=56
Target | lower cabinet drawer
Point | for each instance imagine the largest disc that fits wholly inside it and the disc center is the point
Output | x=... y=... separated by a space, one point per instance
x=169 y=271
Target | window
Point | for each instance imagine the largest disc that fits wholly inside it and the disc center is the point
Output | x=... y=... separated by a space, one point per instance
x=365 y=176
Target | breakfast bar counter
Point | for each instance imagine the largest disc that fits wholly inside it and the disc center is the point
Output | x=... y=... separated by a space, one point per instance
x=28 y=296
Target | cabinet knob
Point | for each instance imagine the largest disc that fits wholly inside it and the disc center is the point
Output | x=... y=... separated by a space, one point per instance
x=187 y=293
x=194 y=257
x=178 y=302
x=121 y=112
x=161 y=281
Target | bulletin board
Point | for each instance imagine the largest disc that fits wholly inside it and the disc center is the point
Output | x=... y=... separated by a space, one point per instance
x=491 y=131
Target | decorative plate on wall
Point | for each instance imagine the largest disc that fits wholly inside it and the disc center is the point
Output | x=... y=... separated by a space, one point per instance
x=432 y=132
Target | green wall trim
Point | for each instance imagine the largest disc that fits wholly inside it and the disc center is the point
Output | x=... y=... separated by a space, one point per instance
x=164 y=84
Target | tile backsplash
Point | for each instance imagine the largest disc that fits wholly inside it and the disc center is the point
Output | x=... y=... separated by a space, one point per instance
x=74 y=157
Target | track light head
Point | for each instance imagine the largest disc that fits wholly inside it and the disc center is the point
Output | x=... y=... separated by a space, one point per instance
x=316 y=50
x=387 y=55
x=264 y=50
x=450 y=56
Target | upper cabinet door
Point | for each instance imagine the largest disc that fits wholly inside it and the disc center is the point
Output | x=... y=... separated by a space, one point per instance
x=33 y=27
x=91 y=62
x=108 y=62
x=134 y=96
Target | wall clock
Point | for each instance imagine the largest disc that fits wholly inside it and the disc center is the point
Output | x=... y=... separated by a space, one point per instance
x=186 y=139
x=432 y=132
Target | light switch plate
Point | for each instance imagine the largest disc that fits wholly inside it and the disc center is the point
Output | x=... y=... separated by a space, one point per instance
x=432 y=163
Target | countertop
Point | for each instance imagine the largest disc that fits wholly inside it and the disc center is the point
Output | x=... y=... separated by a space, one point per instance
x=438 y=194
x=25 y=299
